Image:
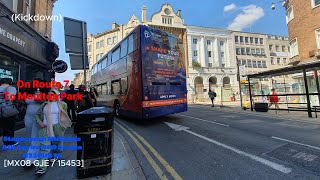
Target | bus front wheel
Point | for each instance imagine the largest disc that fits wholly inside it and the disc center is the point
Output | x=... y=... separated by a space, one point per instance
x=116 y=109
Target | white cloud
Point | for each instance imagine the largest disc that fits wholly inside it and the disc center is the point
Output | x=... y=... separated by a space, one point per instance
x=229 y=7
x=249 y=15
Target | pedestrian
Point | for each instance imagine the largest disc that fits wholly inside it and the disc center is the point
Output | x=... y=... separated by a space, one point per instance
x=32 y=128
x=53 y=120
x=8 y=111
x=71 y=103
x=212 y=95
x=94 y=95
x=86 y=102
x=274 y=99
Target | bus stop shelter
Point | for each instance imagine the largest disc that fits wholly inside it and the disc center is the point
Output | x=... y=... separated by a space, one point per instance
x=306 y=77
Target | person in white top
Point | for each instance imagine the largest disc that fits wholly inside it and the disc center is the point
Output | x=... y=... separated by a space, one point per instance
x=53 y=119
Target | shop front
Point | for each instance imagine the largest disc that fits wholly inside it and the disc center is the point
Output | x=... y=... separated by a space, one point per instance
x=24 y=53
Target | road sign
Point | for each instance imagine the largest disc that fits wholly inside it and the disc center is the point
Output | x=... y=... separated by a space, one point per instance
x=75 y=32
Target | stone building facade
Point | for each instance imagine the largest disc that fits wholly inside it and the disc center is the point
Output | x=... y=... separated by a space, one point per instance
x=211 y=66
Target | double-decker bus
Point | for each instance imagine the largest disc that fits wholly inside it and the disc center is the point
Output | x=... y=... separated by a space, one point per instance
x=143 y=76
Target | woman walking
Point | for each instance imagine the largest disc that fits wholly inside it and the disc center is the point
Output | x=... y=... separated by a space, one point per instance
x=32 y=128
x=53 y=120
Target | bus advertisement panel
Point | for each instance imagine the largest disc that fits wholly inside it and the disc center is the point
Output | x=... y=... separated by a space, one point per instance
x=163 y=72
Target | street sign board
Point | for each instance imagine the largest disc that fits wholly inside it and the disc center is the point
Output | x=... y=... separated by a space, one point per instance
x=59 y=66
x=75 y=32
x=76 y=62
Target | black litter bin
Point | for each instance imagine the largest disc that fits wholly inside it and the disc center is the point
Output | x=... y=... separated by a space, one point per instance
x=95 y=128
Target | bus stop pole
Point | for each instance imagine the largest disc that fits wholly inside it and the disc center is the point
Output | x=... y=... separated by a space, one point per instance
x=239 y=80
x=251 y=107
x=307 y=92
x=84 y=54
x=317 y=83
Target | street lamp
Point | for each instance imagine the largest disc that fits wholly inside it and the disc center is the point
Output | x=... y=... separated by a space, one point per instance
x=284 y=3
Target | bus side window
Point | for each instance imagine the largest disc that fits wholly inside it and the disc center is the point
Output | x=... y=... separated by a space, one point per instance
x=124 y=85
x=104 y=89
x=132 y=42
x=116 y=54
x=115 y=87
x=124 y=48
x=109 y=59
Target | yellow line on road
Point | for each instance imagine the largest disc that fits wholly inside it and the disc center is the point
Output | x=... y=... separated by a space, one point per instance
x=174 y=174
x=146 y=154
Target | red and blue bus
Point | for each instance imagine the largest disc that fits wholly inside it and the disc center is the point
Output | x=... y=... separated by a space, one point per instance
x=144 y=75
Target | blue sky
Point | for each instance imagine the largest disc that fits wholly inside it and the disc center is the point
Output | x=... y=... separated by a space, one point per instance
x=246 y=15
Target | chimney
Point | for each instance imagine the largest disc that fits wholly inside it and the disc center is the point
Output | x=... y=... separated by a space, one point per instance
x=115 y=25
x=144 y=14
x=179 y=13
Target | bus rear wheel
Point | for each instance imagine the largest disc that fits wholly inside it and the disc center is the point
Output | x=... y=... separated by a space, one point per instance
x=116 y=109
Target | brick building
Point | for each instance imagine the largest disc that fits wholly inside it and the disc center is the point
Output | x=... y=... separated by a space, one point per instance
x=303 y=20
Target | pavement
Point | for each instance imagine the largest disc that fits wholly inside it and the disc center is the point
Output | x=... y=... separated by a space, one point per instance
x=124 y=163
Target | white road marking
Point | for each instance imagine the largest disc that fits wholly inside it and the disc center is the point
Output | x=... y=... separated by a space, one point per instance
x=220 y=124
x=286 y=140
x=266 y=162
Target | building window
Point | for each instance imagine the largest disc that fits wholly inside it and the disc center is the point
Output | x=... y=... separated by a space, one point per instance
x=97 y=57
x=283 y=48
x=244 y=62
x=315 y=3
x=258 y=51
x=294 y=51
x=109 y=41
x=251 y=40
x=257 y=41
x=243 y=51
x=241 y=39
x=236 y=39
x=289 y=14
x=248 y=50
x=318 y=37
x=89 y=48
x=221 y=43
x=264 y=64
x=272 y=60
x=210 y=65
x=270 y=47
x=195 y=41
x=277 y=48
x=97 y=45
x=208 y=42
x=261 y=41
x=246 y=40
x=238 y=51
x=101 y=43
x=263 y=53
x=249 y=64
x=259 y=64
x=209 y=53
x=253 y=51
x=254 y=64
x=278 y=60
x=222 y=55
x=284 y=60
x=115 y=39
x=195 y=53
